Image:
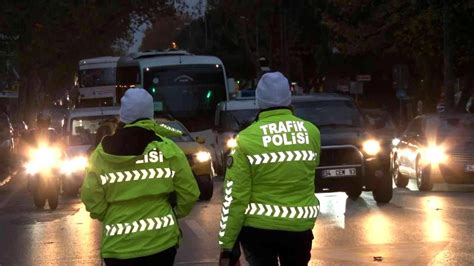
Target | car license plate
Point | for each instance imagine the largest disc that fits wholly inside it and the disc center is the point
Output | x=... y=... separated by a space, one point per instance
x=339 y=172
x=470 y=168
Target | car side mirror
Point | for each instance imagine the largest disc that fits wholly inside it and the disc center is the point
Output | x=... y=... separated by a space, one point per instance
x=200 y=140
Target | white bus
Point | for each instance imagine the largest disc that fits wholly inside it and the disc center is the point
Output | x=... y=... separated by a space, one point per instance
x=187 y=86
x=97 y=81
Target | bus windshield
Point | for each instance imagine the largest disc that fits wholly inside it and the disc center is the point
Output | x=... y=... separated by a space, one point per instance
x=97 y=77
x=188 y=92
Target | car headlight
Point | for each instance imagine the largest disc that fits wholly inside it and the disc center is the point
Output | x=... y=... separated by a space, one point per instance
x=74 y=165
x=434 y=154
x=395 y=141
x=231 y=143
x=203 y=156
x=371 y=147
x=42 y=159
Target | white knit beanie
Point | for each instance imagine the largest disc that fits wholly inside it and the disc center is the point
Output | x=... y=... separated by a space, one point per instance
x=136 y=104
x=273 y=90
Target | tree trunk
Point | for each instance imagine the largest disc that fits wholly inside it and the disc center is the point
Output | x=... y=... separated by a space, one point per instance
x=447 y=53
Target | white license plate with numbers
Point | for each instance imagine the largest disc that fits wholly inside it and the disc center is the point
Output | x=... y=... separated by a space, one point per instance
x=470 y=168
x=339 y=172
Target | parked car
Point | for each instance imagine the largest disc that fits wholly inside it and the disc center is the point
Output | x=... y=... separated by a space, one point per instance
x=231 y=116
x=80 y=128
x=7 y=143
x=435 y=148
x=351 y=159
x=199 y=157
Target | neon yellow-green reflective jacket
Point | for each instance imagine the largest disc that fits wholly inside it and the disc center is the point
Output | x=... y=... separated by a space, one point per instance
x=130 y=196
x=269 y=182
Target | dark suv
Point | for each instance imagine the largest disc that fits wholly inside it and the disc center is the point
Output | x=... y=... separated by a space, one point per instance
x=351 y=159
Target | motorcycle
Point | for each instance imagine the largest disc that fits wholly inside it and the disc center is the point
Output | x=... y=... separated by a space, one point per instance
x=43 y=170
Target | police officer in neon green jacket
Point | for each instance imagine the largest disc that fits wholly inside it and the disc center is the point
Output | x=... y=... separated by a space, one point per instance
x=127 y=186
x=269 y=202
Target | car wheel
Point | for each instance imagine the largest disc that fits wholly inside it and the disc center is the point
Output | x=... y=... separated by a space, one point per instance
x=53 y=196
x=53 y=200
x=206 y=187
x=383 y=191
x=399 y=179
x=423 y=179
x=39 y=199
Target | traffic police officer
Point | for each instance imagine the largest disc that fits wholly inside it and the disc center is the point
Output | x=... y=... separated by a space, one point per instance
x=130 y=177
x=269 y=201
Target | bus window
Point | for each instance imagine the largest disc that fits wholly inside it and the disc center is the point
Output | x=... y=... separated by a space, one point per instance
x=96 y=77
x=189 y=92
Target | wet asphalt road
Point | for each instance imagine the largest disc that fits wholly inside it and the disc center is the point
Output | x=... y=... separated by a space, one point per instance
x=414 y=228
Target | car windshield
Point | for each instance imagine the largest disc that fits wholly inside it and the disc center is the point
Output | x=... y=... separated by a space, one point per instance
x=186 y=137
x=235 y=119
x=379 y=120
x=84 y=129
x=97 y=77
x=331 y=113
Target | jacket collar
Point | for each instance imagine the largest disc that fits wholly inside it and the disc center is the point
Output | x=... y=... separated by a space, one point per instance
x=143 y=123
x=284 y=110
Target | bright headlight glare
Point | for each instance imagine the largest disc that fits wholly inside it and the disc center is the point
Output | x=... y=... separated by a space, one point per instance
x=74 y=165
x=435 y=155
x=371 y=147
x=203 y=156
x=395 y=141
x=231 y=143
x=42 y=159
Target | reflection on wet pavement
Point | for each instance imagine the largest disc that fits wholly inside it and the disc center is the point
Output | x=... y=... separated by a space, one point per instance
x=415 y=228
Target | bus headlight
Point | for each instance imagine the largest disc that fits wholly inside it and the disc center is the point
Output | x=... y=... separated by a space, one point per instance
x=435 y=155
x=74 y=165
x=371 y=147
x=231 y=143
x=203 y=156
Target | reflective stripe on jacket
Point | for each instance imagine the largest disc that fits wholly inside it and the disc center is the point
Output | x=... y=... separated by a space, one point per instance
x=269 y=182
x=130 y=196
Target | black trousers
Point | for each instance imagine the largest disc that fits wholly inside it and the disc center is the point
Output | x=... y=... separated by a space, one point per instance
x=268 y=247
x=164 y=258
